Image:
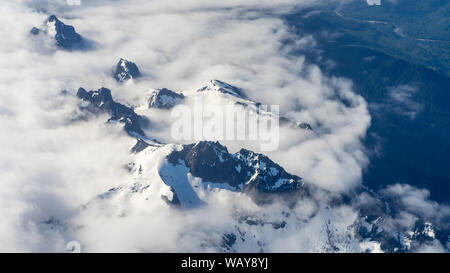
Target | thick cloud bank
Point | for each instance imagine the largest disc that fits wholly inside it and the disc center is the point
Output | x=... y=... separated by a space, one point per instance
x=53 y=163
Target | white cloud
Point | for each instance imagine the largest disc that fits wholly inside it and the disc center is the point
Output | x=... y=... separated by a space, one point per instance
x=403 y=103
x=52 y=166
x=417 y=201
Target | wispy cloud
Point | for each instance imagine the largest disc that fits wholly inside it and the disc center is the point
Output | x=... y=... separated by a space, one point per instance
x=402 y=100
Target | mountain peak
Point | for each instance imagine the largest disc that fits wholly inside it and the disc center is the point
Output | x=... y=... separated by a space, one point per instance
x=52 y=18
x=164 y=99
x=126 y=70
x=98 y=97
x=245 y=170
x=222 y=87
x=65 y=35
x=101 y=100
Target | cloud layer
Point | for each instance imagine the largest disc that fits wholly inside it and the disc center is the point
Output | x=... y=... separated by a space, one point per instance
x=52 y=164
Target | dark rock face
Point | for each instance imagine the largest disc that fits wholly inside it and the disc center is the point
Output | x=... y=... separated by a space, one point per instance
x=101 y=101
x=228 y=241
x=303 y=125
x=65 y=36
x=244 y=170
x=139 y=146
x=35 y=31
x=164 y=99
x=223 y=87
x=126 y=70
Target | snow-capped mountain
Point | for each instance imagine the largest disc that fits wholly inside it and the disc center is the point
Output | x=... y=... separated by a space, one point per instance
x=164 y=99
x=378 y=223
x=223 y=87
x=210 y=162
x=189 y=176
x=243 y=171
x=236 y=95
x=101 y=101
x=65 y=35
x=401 y=241
x=126 y=70
x=209 y=165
